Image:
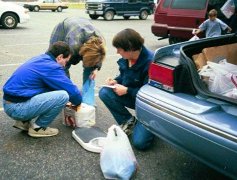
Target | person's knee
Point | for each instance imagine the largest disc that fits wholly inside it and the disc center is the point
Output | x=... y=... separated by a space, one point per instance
x=103 y=93
x=141 y=138
x=63 y=96
x=139 y=144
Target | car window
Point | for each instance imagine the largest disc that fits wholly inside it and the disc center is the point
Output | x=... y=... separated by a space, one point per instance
x=48 y=1
x=145 y=0
x=166 y=3
x=185 y=4
x=132 y=1
x=214 y=2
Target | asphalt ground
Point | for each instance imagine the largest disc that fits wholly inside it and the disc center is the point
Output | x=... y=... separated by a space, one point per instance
x=61 y=157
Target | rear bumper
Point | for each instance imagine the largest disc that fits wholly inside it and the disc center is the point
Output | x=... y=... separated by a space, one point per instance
x=160 y=30
x=163 y=30
x=212 y=146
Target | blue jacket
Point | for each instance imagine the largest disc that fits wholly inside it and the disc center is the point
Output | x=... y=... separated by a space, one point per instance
x=136 y=76
x=39 y=75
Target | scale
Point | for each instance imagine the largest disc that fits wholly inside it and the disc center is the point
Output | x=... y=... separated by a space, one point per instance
x=90 y=138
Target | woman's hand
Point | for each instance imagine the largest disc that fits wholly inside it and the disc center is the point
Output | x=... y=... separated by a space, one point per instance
x=120 y=89
x=93 y=74
x=111 y=81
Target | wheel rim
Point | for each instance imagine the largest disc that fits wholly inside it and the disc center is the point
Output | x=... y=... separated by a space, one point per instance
x=36 y=9
x=144 y=15
x=109 y=15
x=59 y=9
x=10 y=21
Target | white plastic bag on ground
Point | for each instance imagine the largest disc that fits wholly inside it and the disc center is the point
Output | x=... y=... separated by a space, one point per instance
x=117 y=160
x=85 y=117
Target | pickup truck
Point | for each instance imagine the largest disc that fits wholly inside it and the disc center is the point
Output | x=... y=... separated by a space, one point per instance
x=177 y=106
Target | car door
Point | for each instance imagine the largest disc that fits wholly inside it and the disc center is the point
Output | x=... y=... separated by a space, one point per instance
x=133 y=7
x=118 y=6
x=47 y=4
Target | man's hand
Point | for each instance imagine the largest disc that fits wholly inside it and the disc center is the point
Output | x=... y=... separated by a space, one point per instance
x=74 y=107
x=120 y=89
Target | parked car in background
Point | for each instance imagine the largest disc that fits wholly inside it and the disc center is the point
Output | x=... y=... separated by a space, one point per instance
x=11 y=14
x=126 y=8
x=178 y=106
x=54 y=5
x=175 y=19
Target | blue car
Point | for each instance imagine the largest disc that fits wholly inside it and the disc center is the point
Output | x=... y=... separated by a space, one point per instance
x=177 y=105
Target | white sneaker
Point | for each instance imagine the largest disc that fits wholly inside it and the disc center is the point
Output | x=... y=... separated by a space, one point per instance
x=129 y=125
x=42 y=132
x=22 y=125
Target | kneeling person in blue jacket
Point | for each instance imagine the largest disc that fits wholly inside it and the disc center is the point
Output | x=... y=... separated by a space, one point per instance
x=40 y=89
x=133 y=74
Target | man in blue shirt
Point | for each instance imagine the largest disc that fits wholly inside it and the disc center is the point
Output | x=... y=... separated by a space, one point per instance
x=40 y=89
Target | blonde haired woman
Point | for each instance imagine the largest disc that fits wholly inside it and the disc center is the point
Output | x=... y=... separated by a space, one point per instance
x=86 y=42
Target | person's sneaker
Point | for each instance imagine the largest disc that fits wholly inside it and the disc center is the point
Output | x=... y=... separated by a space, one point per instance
x=22 y=125
x=129 y=125
x=42 y=132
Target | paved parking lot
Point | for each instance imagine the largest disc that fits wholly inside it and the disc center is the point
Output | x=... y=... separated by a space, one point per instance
x=61 y=157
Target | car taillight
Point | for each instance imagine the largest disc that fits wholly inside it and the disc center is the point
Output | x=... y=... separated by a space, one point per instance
x=161 y=76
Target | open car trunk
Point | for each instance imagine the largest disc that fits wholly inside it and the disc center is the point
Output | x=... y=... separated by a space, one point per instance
x=177 y=106
x=194 y=55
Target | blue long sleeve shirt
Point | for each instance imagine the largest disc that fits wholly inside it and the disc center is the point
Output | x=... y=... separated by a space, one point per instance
x=39 y=75
x=136 y=76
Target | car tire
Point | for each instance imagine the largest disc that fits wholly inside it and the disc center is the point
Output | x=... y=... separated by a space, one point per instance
x=59 y=9
x=9 y=21
x=126 y=17
x=109 y=15
x=143 y=15
x=36 y=8
x=93 y=16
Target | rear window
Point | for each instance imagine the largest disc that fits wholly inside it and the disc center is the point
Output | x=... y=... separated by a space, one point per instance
x=166 y=3
x=186 y=4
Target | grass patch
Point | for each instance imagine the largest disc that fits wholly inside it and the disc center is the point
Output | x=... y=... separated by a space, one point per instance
x=76 y=5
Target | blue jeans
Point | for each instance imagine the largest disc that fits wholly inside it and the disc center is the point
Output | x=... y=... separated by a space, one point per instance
x=45 y=107
x=117 y=105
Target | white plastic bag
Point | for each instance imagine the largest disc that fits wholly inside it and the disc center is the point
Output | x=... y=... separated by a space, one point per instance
x=194 y=38
x=228 y=9
x=232 y=94
x=117 y=160
x=222 y=76
x=85 y=117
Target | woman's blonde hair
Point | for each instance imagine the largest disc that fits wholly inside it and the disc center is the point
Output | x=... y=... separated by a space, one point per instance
x=93 y=52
